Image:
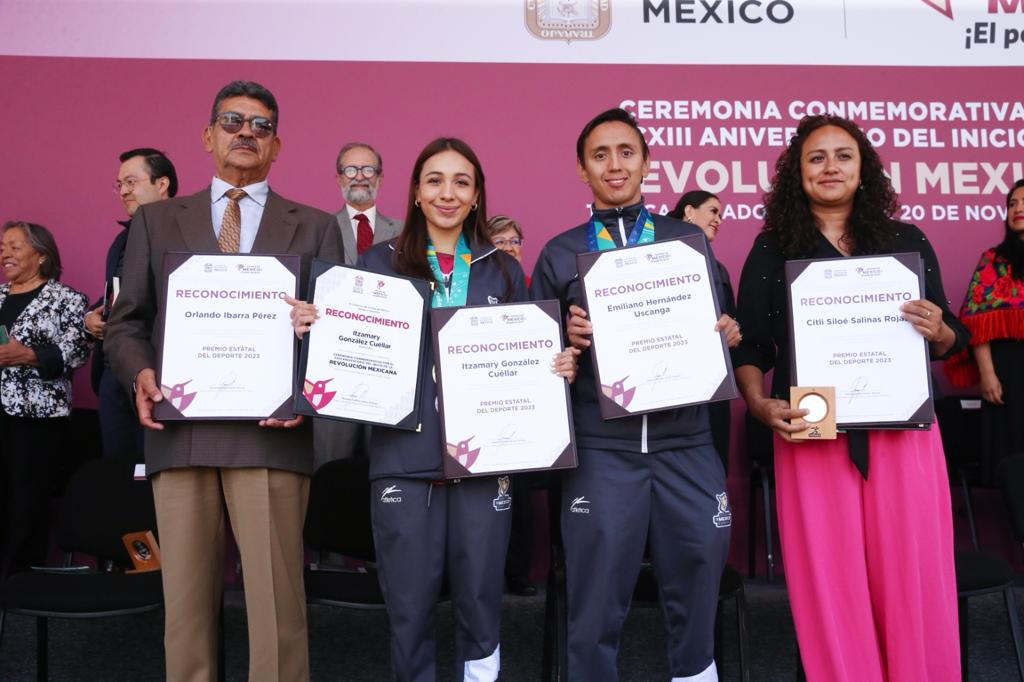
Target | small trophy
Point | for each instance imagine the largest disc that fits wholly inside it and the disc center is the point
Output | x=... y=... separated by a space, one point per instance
x=143 y=550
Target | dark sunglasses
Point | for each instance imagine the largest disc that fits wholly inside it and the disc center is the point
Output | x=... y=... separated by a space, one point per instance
x=232 y=122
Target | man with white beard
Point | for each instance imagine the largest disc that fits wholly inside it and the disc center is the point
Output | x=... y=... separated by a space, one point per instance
x=360 y=170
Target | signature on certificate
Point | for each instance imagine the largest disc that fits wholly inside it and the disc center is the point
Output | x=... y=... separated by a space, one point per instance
x=857 y=389
x=659 y=374
x=507 y=434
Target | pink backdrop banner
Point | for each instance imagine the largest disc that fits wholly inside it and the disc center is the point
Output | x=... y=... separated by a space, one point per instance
x=952 y=138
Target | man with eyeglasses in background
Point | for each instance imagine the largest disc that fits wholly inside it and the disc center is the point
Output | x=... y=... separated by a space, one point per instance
x=360 y=169
x=257 y=472
x=146 y=175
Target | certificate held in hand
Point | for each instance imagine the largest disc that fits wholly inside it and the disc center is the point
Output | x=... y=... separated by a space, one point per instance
x=502 y=409
x=360 y=362
x=224 y=336
x=654 y=309
x=848 y=332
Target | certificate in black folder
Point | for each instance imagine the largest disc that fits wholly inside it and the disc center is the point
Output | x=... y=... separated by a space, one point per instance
x=654 y=308
x=223 y=336
x=847 y=331
x=362 y=359
x=502 y=409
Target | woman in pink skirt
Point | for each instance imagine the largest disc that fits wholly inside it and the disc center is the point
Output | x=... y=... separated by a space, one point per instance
x=869 y=558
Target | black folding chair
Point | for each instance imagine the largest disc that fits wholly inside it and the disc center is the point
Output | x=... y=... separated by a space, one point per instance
x=338 y=523
x=101 y=504
x=959 y=419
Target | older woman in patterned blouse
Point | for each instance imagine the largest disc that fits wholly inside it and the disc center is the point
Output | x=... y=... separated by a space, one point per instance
x=42 y=340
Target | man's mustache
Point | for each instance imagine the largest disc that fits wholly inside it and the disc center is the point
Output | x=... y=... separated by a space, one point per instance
x=245 y=142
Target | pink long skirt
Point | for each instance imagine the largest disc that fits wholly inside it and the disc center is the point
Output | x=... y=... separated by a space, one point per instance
x=869 y=564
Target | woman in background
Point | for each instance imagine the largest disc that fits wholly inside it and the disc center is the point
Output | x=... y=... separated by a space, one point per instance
x=504 y=233
x=993 y=311
x=704 y=210
x=42 y=341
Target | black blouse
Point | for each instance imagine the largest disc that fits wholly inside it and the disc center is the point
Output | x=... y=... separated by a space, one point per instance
x=763 y=309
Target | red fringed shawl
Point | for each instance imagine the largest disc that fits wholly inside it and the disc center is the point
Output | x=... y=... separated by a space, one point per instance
x=993 y=309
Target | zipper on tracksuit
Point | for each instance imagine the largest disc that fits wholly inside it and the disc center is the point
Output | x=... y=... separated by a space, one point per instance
x=643 y=426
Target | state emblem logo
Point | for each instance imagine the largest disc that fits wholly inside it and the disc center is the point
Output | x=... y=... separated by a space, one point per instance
x=568 y=20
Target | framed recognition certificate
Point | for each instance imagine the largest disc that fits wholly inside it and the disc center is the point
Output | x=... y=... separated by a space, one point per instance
x=224 y=340
x=502 y=410
x=848 y=332
x=361 y=360
x=654 y=308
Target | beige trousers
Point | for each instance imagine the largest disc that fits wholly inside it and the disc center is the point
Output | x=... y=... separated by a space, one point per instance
x=267 y=509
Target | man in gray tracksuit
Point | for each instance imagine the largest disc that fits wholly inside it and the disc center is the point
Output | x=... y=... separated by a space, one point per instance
x=653 y=477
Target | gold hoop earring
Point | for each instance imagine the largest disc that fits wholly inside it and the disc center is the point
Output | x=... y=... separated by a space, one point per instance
x=474 y=206
x=416 y=203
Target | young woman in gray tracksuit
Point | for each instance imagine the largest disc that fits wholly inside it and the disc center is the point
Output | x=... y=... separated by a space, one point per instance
x=423 y=525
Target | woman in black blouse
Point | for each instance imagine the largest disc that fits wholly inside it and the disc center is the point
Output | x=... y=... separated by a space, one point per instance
x=704 y=209
x=869 y=562
x=45 y=342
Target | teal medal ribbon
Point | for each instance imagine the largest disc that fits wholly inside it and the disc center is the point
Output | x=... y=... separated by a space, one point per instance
x=599 y=239
x=456 y=292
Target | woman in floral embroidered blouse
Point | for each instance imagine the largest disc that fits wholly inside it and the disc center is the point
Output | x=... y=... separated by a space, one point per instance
x=993 y=310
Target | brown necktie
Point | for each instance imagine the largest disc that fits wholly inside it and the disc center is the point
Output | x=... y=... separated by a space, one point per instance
x=231 y=224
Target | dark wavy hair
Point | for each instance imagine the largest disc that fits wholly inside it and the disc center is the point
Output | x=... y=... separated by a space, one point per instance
x=410 y=255
x=788 y=216
x=1012 y=247
x=695 y=198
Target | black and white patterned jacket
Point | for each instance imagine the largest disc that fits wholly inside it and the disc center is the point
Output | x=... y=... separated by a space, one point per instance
x=54 y=317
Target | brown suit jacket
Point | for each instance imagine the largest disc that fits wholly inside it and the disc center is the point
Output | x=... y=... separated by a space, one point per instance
x=184 y=224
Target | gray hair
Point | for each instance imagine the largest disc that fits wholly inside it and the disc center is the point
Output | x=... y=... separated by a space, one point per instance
x=499 y=223
x=40 y=239
x=358 y=145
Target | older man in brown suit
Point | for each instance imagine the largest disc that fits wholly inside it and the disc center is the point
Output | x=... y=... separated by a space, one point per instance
x=258 y=472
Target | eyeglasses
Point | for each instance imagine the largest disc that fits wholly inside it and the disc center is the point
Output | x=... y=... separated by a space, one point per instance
x=126 y=184
x=232 y=122
x=512 y=241
x=351 y=171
